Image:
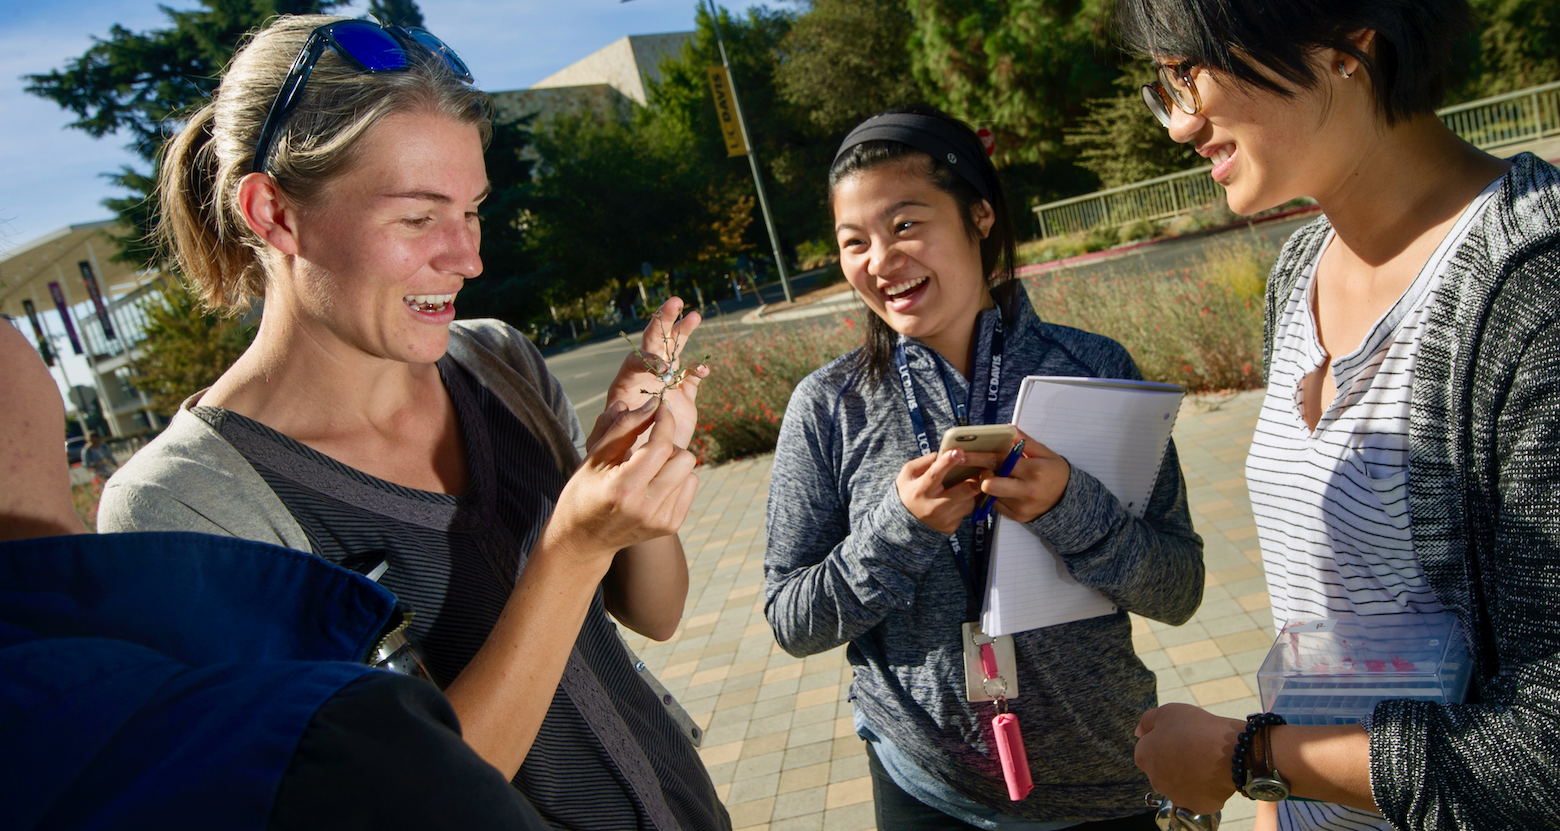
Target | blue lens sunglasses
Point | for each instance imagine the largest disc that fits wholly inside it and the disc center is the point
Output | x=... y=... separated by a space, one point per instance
x=367 y=45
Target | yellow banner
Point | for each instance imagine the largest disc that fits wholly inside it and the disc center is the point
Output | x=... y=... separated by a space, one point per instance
x=726 y=111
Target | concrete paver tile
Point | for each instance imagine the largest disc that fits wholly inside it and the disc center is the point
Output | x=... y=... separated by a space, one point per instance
x=822 y=731
x=750 y=813
x=774 y=706
x=752 y=788
x=1243 y=641
x=803 y=778
x=767 y=743
x=841 y=770
x=805 y=822
x=800 y=803
x=849 y=792
x=720 y=753
x=1220 y=690
x=800 y=756
x=1197 y=673
x=858 y=817
x=1194 y=651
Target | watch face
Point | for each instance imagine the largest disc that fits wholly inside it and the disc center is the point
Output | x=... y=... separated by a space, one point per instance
x=1267 y=790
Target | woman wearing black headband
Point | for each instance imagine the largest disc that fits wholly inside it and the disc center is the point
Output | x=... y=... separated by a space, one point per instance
x=867 y=546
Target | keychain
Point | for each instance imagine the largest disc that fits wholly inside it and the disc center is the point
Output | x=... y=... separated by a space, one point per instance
x=1171 y=818
x=1010 y=742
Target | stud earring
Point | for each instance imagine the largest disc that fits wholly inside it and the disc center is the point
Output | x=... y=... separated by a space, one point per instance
x=1343 y=71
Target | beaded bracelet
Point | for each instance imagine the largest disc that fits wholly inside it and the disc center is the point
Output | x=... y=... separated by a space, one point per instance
x=1243 y=742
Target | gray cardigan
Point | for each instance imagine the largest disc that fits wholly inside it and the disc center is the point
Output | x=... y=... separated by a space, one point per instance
x=847 y=563
x=190 y=478
x=1484 y=499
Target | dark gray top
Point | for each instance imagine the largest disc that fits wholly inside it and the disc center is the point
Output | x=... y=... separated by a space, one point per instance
x=454 y=560
x=1483 y=495
x=847 y=563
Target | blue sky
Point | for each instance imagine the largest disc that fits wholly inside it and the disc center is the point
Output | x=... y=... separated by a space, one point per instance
x=51 y=176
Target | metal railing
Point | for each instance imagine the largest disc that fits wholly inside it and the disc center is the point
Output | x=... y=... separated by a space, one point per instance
x=1524 y=115
x=1489 y=123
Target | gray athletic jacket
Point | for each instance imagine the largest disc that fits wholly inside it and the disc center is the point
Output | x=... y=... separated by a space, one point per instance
x=847 y=563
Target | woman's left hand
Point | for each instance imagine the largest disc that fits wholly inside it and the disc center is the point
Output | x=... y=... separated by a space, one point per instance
x=661 y=340
x=1035 y=485
x=1186 y=752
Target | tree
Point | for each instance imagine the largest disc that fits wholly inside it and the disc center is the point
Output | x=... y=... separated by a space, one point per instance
x=1119 y=141
x=144 y=83
x=1518 y=47
x=844 y=60
x=513 y=285
x=186 y=347
x=1022 y=68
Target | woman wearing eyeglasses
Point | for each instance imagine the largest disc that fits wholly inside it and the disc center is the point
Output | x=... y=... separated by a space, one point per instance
x=337 y=174
x=1403 y=460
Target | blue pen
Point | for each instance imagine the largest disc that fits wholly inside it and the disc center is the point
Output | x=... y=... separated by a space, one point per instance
x=1004 y=471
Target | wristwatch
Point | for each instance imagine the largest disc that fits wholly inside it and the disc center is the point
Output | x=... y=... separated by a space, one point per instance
x=1263 y=781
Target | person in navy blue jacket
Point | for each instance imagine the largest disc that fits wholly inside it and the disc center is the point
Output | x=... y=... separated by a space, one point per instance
x=171 y=680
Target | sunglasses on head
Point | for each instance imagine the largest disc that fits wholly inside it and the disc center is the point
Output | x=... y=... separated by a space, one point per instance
x=367 y=45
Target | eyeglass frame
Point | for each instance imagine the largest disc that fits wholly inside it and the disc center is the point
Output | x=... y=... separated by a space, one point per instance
x=1164 y=91
x=290 y=92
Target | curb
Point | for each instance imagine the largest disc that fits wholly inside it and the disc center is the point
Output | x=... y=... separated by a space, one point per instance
x=1037 y=269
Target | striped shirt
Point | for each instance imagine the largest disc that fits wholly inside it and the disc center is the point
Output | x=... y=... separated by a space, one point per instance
x=1331 y=505
x=453 y=559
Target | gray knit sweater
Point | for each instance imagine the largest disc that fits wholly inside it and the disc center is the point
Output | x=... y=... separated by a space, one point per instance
x=1484 y=499
x=846 y=562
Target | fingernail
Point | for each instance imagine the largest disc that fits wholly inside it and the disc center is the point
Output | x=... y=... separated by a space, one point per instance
x=618 y=408
x=649 y=406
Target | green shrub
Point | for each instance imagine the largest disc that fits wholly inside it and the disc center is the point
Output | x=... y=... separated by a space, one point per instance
x=1138 y=230
x=1201 y=329
x=1049 y=249
x=1101 y=237
x=743 y=400
x=816 y=253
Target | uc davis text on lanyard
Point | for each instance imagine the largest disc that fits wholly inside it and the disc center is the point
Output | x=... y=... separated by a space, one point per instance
x=961 y=413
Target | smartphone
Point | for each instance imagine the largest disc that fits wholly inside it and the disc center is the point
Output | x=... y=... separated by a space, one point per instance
x=978 y=438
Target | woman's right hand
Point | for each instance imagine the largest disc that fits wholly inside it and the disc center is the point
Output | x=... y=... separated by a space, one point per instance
x=921 y=490
x=621 y=496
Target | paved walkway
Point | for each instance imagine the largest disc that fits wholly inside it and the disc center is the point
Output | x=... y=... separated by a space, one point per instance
x=778 y=738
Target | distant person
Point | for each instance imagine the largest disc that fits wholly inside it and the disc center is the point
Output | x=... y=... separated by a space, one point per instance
x=338 y=174
x=98 y=458
x=859 y=523
x=194 y=681
x=1404 y=459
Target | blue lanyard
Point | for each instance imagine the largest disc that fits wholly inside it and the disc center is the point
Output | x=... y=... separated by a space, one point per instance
x=961 y=412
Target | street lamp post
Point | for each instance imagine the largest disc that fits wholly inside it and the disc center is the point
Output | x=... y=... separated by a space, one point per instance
x=752 y=154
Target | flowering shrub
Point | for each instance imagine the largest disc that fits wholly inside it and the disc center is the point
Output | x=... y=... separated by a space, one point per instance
x=85 y=498
x=743 y=400
x=1201 y=328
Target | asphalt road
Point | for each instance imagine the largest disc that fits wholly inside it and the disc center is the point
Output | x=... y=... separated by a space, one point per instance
x=585 y=371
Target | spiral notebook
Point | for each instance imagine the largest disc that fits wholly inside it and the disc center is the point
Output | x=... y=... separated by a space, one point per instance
x=1117 y=431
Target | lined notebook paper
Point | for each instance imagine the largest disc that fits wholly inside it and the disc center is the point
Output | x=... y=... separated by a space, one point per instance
x=1115 y=430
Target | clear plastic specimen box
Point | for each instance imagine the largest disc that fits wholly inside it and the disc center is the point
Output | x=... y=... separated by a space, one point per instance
x=1334 y=670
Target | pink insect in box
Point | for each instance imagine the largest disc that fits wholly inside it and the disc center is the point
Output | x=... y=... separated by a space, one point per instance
x=1334 y=670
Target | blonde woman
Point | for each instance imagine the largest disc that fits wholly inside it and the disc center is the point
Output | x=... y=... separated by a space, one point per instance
x=337 y=173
